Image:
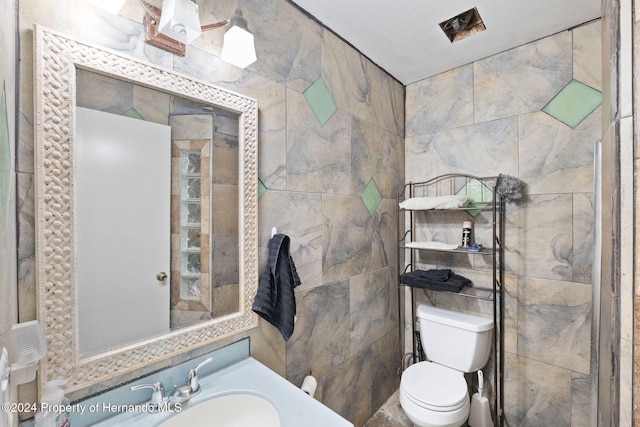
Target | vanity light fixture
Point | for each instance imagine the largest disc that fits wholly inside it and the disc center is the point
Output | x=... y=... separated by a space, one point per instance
x=177 y=24
x=238 y=48
x=180 y=21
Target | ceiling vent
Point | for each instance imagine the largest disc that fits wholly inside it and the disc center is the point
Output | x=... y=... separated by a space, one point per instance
x=463 y=25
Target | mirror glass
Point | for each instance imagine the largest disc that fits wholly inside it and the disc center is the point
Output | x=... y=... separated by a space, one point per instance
x=146 y=217
x=156 y=178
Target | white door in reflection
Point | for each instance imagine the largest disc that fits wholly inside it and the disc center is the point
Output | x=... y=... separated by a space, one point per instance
x=122 y=207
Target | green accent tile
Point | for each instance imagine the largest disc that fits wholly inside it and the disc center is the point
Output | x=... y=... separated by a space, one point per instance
x=574 y=103
x=321 y=101
x=371 y=197
x=131 y=112
x=261 y=189
x=478 y=195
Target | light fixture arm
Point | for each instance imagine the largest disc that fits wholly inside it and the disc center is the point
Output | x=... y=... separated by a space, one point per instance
x=173 y=35
x=236 y=19
x=151 y=11
x=216 y=25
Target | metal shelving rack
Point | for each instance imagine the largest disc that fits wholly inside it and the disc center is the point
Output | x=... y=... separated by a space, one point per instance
x=488 y=201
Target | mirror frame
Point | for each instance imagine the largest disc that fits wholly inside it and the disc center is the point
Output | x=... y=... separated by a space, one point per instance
x=56 y=61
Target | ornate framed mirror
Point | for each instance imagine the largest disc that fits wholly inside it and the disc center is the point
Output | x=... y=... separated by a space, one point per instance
x=59 y=59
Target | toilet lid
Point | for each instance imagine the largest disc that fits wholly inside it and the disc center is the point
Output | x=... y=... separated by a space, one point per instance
x=434 y=386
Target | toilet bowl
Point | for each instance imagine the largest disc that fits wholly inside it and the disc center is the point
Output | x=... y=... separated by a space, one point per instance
x=433 y=395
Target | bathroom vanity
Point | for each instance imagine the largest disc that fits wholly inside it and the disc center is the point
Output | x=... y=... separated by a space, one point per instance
x=292 y=406
x=235 y=390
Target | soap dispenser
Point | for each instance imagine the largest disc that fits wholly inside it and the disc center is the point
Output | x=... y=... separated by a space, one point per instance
x=52 y=406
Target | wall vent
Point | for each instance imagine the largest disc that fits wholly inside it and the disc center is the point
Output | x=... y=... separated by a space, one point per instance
x=463 y=25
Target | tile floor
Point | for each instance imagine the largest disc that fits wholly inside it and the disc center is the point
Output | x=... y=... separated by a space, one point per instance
x=389 y=415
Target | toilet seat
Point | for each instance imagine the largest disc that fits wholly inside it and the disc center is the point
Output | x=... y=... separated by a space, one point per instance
x=435 y=387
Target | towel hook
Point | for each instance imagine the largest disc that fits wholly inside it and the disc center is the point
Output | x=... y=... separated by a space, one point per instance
x=274 y=231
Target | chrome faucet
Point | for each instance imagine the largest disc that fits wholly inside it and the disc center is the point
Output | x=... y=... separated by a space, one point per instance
x=181 y=393
x=192 y=387
x=192 y=377
x=157 y=396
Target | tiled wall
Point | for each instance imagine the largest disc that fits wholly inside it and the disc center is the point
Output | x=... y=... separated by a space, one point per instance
x=484 y=119
x=8 y=254
x=318 y=153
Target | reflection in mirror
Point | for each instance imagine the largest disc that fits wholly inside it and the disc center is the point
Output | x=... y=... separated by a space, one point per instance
x=210 y=189
x=146 y=190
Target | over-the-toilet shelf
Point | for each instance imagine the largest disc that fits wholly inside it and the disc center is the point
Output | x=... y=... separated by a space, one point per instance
x=431 y=215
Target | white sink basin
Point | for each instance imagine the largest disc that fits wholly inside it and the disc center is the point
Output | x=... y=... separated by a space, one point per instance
x=231 y=410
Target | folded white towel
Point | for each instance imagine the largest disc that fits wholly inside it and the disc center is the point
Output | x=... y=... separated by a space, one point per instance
x=431 y=245
x=437 y=202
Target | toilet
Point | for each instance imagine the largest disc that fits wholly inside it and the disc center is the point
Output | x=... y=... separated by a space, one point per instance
x=434 y=393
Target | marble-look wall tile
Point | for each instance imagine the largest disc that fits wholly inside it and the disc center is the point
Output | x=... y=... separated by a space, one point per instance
x=485 y=149
x=267 y=346
x=385 y=364
x=320 y=341
x=558 y=337
x=8 y=253
x=103 y=93
x=387 y=104
x=26 y=288
x=536 y=394
x=522 y=80
x=420 y=158
x=151 y=104
x=359 y=87
x=318 y=157
x=24 y=149
x=346 y=237
x=584 y=229
x=191 y=126
x=272 y=142
x=553 y=158
x=372 y=311
x=440 y=102
x=538 y=237
x=581 y=400
x=384 y=235
x=26 y=247
x=298 y=215
x=345 y=72
x=587 y=54
x=511 y=313
x=377 y=154
x=343 y=381
x=8 y=172
x=288 y=45
x=89 y=23
x=272 y=109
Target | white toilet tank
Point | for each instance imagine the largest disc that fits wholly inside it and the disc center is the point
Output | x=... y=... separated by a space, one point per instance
x=458 y=340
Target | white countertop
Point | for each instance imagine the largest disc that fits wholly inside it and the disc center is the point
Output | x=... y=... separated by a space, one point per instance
x=295 y=408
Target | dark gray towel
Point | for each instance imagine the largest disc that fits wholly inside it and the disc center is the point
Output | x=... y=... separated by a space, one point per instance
x=275 y=300
x=432 y=279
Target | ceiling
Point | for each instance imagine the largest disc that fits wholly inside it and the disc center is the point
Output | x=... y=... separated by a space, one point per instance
x=404 y=38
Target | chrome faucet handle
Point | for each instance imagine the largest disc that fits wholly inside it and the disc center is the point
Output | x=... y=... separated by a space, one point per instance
x=192 y=377
x=157 y=396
